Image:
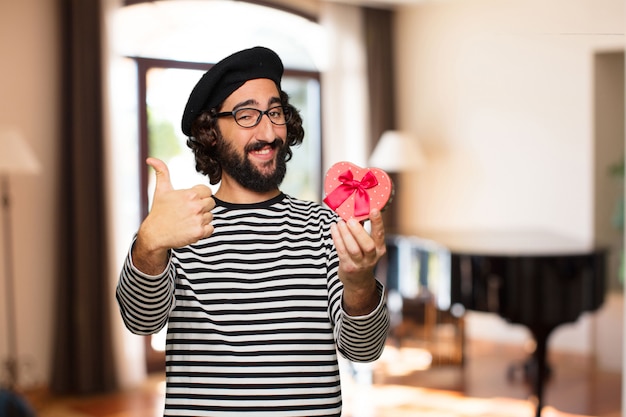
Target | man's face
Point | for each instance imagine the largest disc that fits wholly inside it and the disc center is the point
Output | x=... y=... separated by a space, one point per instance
x=254 y=157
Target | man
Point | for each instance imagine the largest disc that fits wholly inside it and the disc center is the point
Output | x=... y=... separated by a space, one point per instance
x=259 y=290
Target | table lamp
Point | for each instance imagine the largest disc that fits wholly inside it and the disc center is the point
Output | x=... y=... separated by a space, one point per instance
x=395 y=153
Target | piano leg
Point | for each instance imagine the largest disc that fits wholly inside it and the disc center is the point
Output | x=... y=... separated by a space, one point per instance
x=540 y=372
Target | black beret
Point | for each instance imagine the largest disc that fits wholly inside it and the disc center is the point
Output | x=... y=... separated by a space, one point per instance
x=228 y=75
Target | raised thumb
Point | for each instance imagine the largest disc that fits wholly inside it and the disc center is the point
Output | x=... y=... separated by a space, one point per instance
x=163 y=182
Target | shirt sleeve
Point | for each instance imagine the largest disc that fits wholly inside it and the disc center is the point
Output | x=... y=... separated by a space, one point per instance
x=145 y=301
x=358 y=338
x=362 y=338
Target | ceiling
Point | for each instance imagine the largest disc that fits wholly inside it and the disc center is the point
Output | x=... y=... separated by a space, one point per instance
x=378 y=3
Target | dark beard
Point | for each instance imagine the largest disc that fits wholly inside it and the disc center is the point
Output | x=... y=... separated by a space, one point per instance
x=246 y=174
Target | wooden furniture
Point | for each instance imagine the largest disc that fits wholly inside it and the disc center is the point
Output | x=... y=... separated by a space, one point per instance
x=416 y=275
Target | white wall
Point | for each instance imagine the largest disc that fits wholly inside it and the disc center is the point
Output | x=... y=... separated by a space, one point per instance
x=500 y=95
x=454 y=92
x=29 y=101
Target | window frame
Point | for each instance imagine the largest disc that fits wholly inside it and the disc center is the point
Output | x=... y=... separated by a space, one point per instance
x=155 y=360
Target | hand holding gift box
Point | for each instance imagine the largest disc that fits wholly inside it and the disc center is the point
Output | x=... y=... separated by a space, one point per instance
x=352 y=191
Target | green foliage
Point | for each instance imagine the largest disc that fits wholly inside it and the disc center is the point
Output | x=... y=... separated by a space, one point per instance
x=162 y=141
x=617 y=170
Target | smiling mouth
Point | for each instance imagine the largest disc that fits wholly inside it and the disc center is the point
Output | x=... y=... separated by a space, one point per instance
x=264 y=148
x=263 y=151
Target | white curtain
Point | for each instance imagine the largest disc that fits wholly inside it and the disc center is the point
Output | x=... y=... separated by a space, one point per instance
x=345 y=99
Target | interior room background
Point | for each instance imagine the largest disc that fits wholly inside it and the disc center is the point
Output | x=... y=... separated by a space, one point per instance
x=502 y=96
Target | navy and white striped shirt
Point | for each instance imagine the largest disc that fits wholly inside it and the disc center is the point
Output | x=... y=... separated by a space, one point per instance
x=254 y=315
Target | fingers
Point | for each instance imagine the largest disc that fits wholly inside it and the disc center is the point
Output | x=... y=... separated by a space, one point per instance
x=177 y=217
x=348 y=233
x=359 y=236
x=203 y=192
x=378 y=227
x=352 y=240
x=163 y=181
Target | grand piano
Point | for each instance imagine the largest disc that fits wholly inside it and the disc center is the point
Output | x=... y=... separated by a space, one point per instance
x=536 y=279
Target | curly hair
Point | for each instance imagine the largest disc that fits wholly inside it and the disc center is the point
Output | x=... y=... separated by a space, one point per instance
x=205 y=135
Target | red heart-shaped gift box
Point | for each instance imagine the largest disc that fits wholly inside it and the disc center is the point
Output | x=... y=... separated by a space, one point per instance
x=352 y=191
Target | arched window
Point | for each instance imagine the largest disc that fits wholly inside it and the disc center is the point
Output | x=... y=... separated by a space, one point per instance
x=161 y=49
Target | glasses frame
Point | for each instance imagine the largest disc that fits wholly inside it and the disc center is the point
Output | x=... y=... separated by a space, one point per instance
x=286 y=112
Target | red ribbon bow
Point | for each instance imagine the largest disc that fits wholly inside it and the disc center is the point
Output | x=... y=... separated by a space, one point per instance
x=348 y=186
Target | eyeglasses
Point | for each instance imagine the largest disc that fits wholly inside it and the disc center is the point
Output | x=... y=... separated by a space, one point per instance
x=248 y=117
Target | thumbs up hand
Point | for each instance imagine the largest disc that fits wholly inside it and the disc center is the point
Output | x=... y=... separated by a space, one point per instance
x=177 y=218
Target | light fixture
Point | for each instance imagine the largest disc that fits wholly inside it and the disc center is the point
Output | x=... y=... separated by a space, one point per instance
x=15 y=158
x=396 y=152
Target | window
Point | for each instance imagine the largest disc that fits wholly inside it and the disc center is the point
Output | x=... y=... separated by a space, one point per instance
x=164 y=87
x=170 y=43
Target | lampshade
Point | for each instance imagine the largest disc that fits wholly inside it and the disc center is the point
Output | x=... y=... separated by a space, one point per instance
x=397 y=151
x=16 y=155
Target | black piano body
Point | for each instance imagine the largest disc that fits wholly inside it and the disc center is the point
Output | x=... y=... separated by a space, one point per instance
x=538 y=291
x=536 y=279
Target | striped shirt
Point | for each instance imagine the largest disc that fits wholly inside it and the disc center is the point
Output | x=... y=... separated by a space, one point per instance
x=254 y=315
